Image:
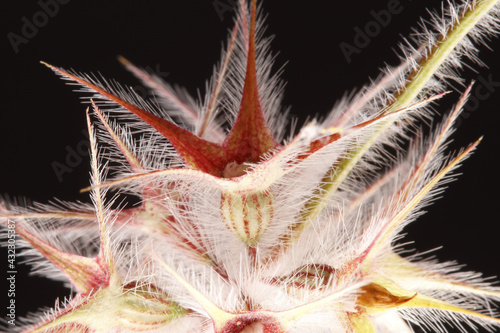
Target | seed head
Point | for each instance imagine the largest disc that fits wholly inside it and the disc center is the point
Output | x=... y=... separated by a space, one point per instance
x=241 y=230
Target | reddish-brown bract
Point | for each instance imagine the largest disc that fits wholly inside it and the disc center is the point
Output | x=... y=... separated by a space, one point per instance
x=252 y=322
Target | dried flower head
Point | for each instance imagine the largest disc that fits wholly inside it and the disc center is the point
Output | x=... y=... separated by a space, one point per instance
x=240 y=228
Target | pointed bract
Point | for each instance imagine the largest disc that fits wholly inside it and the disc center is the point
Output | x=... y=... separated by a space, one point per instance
x=85 y=274
x=250 y=138
x=197 y=153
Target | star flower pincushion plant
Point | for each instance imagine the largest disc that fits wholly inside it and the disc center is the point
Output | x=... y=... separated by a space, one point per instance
x=240 y=229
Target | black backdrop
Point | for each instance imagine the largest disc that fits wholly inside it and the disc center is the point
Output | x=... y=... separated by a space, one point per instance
x=181 y=40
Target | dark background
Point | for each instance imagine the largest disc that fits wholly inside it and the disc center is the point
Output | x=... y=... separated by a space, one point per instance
x=181 y=40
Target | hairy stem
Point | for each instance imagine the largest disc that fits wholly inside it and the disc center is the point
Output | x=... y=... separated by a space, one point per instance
x=417 y=80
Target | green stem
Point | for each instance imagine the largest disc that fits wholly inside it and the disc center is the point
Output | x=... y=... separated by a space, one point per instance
x=427 y=68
